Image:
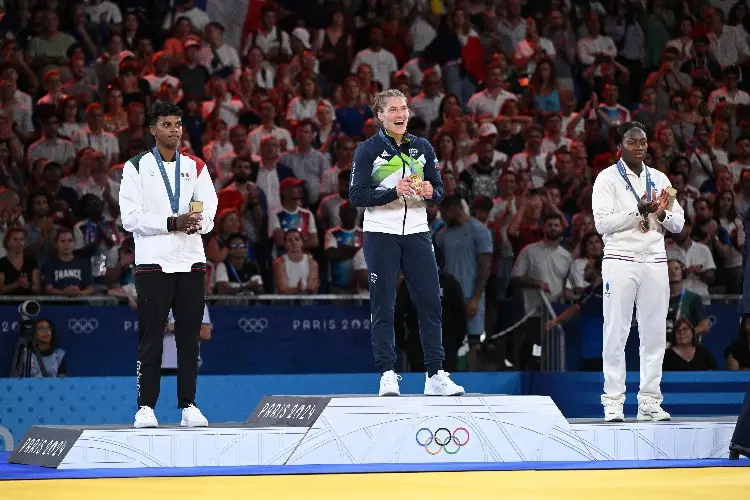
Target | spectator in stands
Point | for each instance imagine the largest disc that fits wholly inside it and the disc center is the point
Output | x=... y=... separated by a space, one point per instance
x=683 y=303
x=686 y=354
x=95 y=137
x=292 y=215
x=738 y=352
x=120 y=264
x=116 y=116
x=466 y=247
x=227 y=223
x=382 y=61
x=590 y=309
x=328 y=211
x=352 y=111
x=524 y=227
x=68 y=116
x=94 y=236
x=697 y=259
x=78 y=86
x=50 y=362
x=342 y=242
x=268 y=127
x=305 y=162
x=50 y=145
x=541 y=267
x=295 y=272
x=40 y=227
x=481 y=178
x=539 y=164
x=238 y=273
x=64 y=198
x=19 y=273
x=590 y=247
x=49 y=50
x=53 y=86
x=224 y=107
x=270 y=39
x=220 y=59
x=65 y=274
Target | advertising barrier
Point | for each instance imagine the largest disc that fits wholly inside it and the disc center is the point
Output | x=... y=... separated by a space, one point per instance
x=101 y=341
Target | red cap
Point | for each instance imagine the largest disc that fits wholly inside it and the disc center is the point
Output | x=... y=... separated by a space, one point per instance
x=290 y=182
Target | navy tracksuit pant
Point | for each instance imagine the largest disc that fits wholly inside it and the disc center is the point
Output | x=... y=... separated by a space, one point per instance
x=413 y=254
x=741 y=435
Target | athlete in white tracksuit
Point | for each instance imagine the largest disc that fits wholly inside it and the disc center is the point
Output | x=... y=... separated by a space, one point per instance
x=634 y=270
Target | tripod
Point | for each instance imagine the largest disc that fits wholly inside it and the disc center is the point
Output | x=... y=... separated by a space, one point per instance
x=25 y=348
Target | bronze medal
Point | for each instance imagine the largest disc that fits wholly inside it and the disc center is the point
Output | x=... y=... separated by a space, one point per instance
x=644 y=225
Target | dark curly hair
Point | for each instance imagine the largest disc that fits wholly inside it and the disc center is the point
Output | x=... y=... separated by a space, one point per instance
x=163 y=108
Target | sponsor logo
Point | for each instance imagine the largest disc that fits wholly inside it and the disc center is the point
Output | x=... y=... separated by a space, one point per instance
x=385 y=154
x=442 y=439
x=83 y=325
x=45 y=446
x=373 y=277
x=252 y=325
x=413 y=151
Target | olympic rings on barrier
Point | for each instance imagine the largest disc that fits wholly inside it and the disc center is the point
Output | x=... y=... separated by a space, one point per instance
x=442 y=440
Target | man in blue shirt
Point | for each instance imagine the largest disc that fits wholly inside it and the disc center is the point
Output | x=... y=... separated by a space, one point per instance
x=589 y=308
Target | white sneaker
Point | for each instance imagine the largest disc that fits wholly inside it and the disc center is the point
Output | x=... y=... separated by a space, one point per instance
x=652 y=411
x=613 y=412
x=145 y=418
x=441 y=384
x=389 y=384
x=192 y=417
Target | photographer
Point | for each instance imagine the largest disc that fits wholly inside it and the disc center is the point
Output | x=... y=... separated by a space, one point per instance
x=49 y=360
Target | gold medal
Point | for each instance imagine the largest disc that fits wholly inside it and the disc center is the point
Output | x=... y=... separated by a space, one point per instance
x=416 y=180
x=644 y=225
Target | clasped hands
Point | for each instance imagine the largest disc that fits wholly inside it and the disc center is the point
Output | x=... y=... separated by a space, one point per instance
x=189 y=223
x=658 y=205
x=407 y=187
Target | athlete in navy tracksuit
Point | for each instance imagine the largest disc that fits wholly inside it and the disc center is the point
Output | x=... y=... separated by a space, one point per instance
x=740 y=444
x=393 y=175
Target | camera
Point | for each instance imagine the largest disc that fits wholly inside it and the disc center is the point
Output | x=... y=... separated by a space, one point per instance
x=29 y=309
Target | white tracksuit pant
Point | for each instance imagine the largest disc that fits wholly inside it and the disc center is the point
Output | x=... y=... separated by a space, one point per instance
x=641 y=280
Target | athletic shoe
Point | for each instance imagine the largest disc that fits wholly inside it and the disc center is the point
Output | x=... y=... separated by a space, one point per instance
x=192 y=417
x=441 y=384
x=145 y=418
x=613 y=412
x=389 y=384
x=652 y=411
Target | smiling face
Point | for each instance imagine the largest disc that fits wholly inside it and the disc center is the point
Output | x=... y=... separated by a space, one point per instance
x=395 y=115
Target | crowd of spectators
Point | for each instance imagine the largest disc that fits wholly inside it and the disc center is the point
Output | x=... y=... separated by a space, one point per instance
x=519 y=98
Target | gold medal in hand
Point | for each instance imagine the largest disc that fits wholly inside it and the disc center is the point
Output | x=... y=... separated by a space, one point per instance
x=416 y=180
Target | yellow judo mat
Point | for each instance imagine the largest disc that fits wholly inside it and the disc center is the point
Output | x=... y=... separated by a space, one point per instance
x=731 y=483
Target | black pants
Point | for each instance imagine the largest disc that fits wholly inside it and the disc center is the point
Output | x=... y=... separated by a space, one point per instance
x=412 y=254
x=158 y=292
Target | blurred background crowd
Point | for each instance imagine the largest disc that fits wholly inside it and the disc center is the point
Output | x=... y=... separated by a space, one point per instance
x=519 y=99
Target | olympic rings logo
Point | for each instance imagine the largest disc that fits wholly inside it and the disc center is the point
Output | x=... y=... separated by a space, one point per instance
x=83 y=325
x=425 y=437
x=252 y=325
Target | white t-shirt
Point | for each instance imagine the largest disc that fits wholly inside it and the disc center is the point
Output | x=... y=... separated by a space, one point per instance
x=106 y=11
x=169 y=352
x=697 y=254
x=382 y=62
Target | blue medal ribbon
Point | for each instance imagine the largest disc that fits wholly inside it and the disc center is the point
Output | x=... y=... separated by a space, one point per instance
x=174 y=197
x=396 y=151
x=234 y=272
x=649 y=183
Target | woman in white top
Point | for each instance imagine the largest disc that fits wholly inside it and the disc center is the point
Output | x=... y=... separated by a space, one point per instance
x=727 y=217
x=295 y=272
x=69 y=115
x=591 y=246
x=305 y=104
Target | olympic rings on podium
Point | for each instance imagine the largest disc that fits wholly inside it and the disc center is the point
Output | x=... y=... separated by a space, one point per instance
x=443 y=441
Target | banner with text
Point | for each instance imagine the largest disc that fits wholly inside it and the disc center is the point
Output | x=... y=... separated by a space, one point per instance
x=102 y=341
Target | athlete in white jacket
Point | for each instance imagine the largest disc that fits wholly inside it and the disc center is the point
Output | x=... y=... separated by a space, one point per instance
x=632 y=211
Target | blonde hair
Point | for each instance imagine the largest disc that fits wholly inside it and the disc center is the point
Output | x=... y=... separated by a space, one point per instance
x=378 y=102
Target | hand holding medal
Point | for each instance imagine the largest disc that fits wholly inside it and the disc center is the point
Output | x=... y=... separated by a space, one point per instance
x=645 y=208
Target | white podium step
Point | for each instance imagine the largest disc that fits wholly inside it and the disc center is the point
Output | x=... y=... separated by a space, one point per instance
x=440 y=429
x=301 y=430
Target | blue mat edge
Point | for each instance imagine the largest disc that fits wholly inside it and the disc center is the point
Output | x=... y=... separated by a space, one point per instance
x=10 y=472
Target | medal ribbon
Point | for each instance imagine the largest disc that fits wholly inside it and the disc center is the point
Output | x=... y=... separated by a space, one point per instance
x=396 y=151
x=174 y=197
x=624 y=175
